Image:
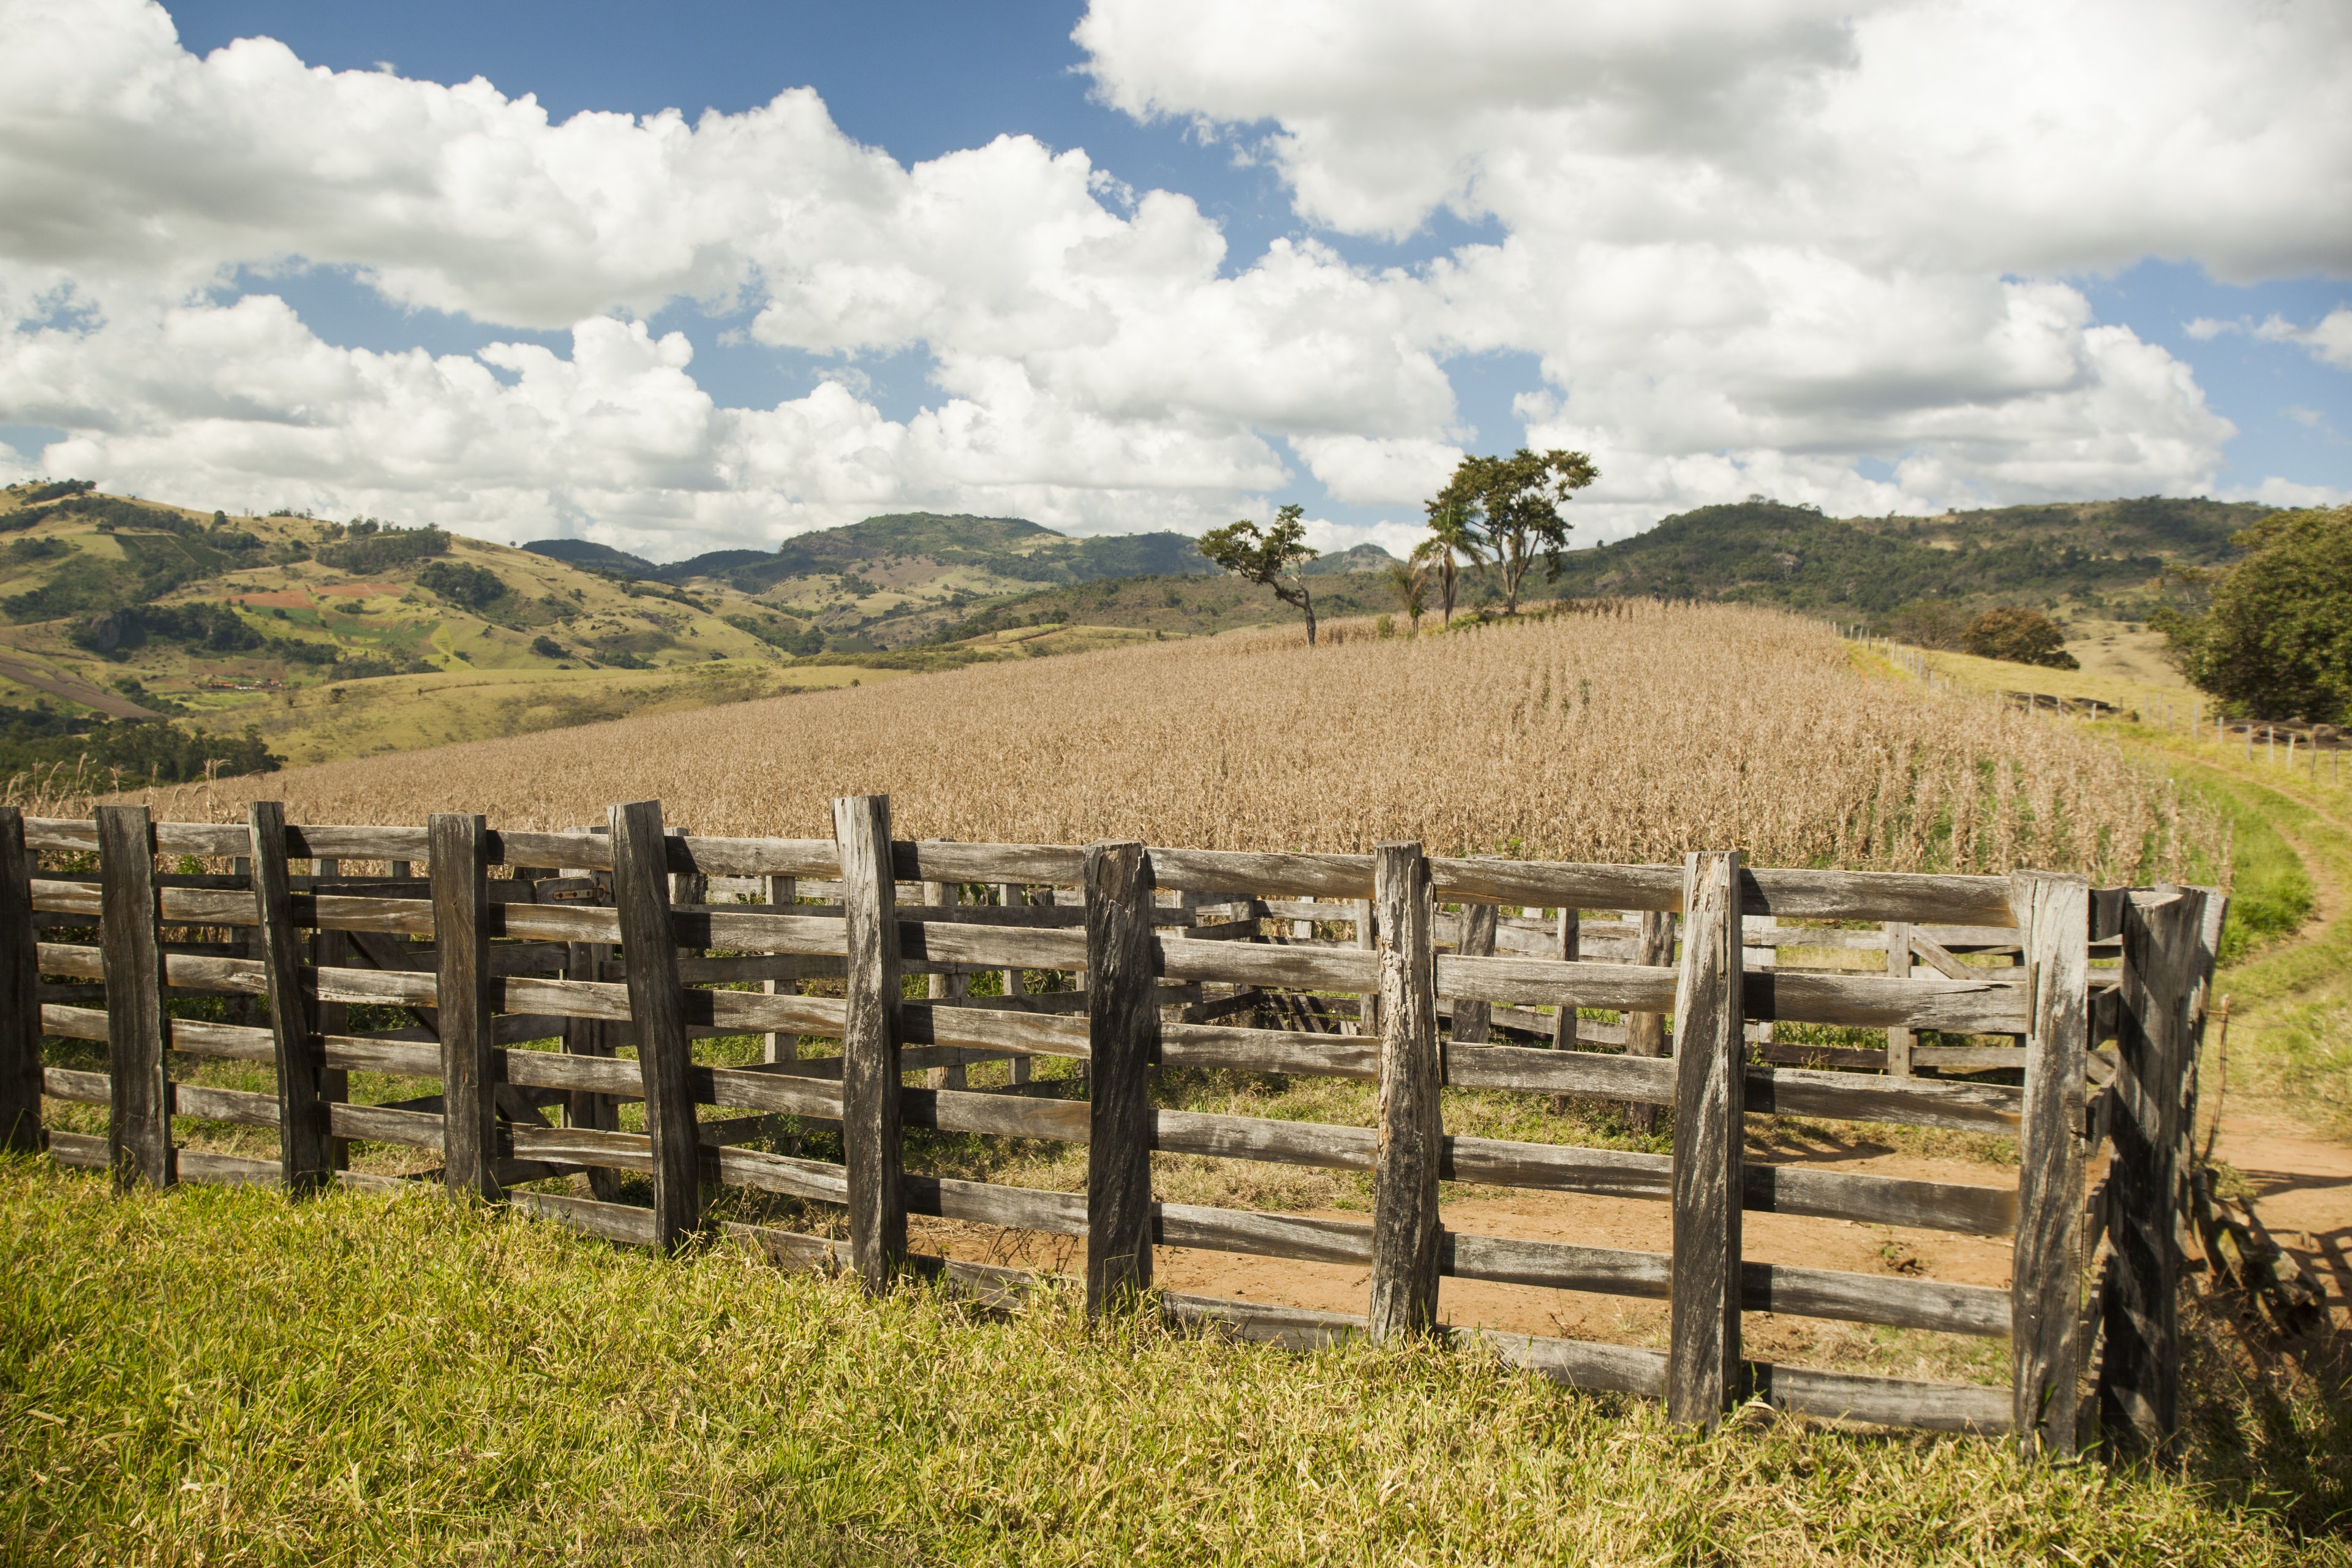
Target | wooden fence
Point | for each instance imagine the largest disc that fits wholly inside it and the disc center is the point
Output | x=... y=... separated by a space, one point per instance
x=607 y=938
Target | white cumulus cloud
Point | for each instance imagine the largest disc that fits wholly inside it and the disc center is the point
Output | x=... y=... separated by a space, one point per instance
x=1816 y=250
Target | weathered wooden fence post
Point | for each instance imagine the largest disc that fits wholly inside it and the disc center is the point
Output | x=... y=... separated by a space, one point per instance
x=782 y=1044
x=1702 y=1372
x=2139 y=1372
x=1568 y=946
x=591 y=1037
x=642 y=887
x=2053 y=913
x=1899 y=1040
x=1408 y=1146
x=138 y=1119
x=20 y=994
x=1645 y=1033
x=946 y=987
x=869 y=1041
x=459 y=866
x=306 y=1161
x=1474 y=1021
x=1367 y=1005
x=331 y=949
x=1122 y=1044
x=1011 y=896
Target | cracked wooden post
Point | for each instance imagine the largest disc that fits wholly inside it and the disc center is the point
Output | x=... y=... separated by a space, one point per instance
x=20 y=995
x=642 y=887
x=139 y=1113
x=1122 y=1044
x=1408 y=1145
x=2053 y=915
x=306 y=1159
x=459 y=867
x=1702 y=1372
x=870 y=1038
x=2139 y=1371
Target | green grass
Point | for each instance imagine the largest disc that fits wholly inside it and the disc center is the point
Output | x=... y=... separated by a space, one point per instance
x=221 y=1376
x=2270 y=893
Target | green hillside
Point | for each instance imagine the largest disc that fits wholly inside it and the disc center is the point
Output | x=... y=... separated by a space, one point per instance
x=2101 y=556
x=896 y=579
x=156 y=640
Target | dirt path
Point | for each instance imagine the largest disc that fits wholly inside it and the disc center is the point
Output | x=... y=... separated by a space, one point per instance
x=2301 y=1178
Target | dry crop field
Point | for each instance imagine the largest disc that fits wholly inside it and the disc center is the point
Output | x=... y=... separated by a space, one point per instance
x=1632 y=735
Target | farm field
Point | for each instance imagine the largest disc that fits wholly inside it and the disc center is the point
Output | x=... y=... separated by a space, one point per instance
x=564 y=1401
x=1627 y=736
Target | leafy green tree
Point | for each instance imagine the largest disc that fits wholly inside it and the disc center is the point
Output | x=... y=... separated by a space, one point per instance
x=2020 y=637
x=1453 y=542
x=1931 y=622
x=1515 y=502
x=1270 y=556
x=2277 y=642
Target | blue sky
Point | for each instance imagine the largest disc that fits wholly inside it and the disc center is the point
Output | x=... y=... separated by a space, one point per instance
x=1483 y=324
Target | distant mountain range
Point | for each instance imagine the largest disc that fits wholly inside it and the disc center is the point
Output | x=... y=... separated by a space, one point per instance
x=1012 y=548
x=913 y=576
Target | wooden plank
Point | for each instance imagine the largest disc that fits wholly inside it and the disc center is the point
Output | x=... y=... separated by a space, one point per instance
x=459 y=852
x=20 y=994
x=1880 y=1401
x=1702 y=1352
x=1645 y=1031
x=139 y=1124
x=1471 y=1016
x=641 y=895
x=305 y=1162
x=871 y=1032
x=2047 y=1259
x=1408 y=1144
x=2140 y=1370
x=1123 y=1043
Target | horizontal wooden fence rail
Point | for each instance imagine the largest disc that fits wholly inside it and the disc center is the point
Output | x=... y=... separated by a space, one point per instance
x=606 y=948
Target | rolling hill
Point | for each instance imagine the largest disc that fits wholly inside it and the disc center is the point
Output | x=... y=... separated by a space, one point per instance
x=896 y=579
x=2102 y=557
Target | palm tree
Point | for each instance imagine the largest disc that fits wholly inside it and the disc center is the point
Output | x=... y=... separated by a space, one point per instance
x=1408 y=581
x=1452 y=540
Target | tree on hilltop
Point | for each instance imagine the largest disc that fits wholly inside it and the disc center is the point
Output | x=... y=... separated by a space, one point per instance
x=1514 y=502
x=2277 y=641
x=1270 y=556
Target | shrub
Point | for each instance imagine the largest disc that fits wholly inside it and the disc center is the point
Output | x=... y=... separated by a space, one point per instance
x=547 y=648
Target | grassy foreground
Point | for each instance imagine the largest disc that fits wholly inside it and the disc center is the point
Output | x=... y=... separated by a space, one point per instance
x=217 y=1376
